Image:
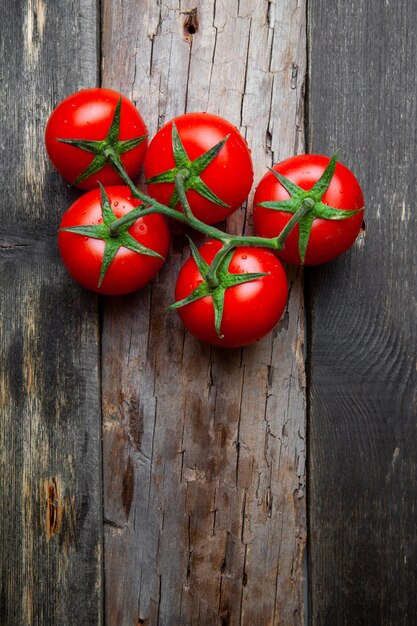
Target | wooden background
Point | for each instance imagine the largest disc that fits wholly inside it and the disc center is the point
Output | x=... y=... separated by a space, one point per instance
x=146 y=478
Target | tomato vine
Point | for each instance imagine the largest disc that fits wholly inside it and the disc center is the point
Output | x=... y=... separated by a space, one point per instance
x=228 y=265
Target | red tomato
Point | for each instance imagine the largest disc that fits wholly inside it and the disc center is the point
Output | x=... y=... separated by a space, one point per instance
x=251 y=310
x=88 y=115
x=83 y=254
x=328 y=237
x=228 y=176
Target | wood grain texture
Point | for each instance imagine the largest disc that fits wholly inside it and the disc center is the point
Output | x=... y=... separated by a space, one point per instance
x=204 y=449
x=363 y=438
x=50 y=462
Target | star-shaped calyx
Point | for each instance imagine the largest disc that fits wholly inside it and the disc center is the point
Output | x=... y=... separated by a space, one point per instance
x=105 y=150
x=113 y=239
x=194 y=169
x=312 y=197
x=215 y=284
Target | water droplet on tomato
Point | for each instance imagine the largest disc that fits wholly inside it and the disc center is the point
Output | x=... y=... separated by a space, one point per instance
x=116 y=203
x=244 y=256
x=141 y=227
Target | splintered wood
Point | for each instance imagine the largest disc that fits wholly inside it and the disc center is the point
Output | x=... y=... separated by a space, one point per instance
x=204 y=449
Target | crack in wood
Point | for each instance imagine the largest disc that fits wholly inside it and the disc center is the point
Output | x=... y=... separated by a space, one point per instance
x=128 y=482
x=54 y=508
x=113 y=524
x=9 y=245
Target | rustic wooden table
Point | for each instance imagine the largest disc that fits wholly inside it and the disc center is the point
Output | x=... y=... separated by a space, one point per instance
x=150 y=479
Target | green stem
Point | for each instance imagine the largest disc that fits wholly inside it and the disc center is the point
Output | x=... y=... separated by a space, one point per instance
x=229 y=241
x=157 y=207
x=179 y=185
x=275 y=243
x=211 y=276
x=306 y=206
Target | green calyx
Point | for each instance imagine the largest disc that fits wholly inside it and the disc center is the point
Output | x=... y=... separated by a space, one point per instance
x=114 y=239
x=194 y=168
x=215 y=283
x=106 y=150
x=312 y=199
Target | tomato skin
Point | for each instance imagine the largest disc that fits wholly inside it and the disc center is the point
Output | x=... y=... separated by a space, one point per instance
x=251 y=310
x=87 y=114
x=328 y=238
x=83 y=255
x=229 y=175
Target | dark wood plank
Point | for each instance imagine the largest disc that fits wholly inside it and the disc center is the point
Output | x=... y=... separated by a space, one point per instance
x=50 y=461
x=363 y=403
x=204 y=448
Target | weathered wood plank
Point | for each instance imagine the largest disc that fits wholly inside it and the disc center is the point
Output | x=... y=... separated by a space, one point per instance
x=204 y=449
x=363 y=318
x=50 y=461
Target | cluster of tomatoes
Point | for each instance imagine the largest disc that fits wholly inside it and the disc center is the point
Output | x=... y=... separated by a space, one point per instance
x=198 y=169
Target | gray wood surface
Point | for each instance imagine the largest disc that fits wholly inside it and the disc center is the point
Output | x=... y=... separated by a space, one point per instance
x=50 y=493
x=363 y=440
x=204 y=449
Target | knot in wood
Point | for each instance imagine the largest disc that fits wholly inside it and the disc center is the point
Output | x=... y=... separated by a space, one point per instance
x=190 y=24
